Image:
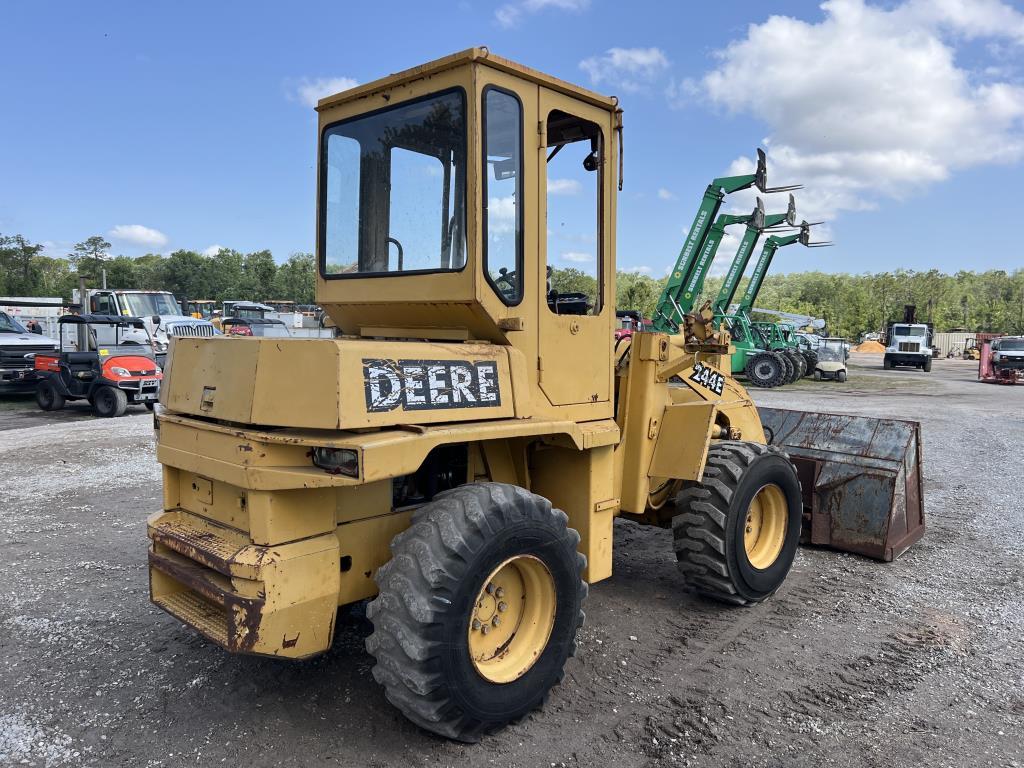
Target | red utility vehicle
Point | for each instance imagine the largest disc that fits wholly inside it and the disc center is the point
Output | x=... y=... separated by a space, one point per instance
x=105 y=359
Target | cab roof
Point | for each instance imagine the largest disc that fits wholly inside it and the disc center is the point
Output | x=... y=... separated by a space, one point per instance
x=481 y=55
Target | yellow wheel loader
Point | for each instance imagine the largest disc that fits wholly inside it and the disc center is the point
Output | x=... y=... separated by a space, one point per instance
x=459 y=452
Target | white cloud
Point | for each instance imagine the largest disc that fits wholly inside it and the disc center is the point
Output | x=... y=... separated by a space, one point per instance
x=664 y=194
x=309 y=91
x=629 y=69
x=510 y=14
x=870 y=101
x=577 y=257
x=136 y=234
x=642 y=269
x=213 y=250
x=563 y=187
x=501 y=215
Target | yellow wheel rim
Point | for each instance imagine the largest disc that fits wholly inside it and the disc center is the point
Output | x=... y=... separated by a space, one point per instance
x=512 y=618
x=766 y=522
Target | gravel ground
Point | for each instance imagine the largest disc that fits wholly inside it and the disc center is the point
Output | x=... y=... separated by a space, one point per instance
x=852 y=663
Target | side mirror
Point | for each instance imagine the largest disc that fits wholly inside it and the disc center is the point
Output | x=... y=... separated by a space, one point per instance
x=156 y=320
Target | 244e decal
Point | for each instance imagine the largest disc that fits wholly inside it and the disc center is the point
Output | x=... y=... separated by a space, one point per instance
x=708 y=378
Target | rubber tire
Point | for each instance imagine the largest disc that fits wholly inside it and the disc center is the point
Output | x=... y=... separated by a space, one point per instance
x=708 y=531
x=150 y=406
x=109 y=402
x=420 y=617
x=812 y=361
x=799 y=364
x=770 y=376
x=48 y=398
x=840 y=376
x=787 y=367
x=817 y=375
x=927 y=365
x=887 y=364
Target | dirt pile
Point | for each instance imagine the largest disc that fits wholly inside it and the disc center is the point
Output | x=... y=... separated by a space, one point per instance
x=871 y=347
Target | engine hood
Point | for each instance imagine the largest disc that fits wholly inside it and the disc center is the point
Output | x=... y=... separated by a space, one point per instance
x=26 y=340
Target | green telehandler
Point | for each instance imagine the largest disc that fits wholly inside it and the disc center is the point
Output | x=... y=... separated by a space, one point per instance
x=769 y=335
x=753 y=356
x=693 y=261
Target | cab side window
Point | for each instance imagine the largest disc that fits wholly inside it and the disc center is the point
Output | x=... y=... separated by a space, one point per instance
x=502 y=193
x=574 y=237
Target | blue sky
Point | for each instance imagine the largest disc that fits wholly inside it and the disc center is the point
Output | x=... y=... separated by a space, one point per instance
x=187 y=125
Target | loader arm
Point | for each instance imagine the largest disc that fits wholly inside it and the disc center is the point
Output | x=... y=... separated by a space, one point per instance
x=747 y=244
x=666 y=316
x=678 y=302
x=764 y=261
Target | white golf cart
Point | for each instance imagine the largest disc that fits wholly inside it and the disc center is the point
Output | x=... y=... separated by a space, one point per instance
x=831 y=359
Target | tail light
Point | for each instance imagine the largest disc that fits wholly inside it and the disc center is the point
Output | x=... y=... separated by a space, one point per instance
x=240 y=330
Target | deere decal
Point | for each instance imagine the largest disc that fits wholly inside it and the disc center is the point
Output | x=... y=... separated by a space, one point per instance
x=427 y=385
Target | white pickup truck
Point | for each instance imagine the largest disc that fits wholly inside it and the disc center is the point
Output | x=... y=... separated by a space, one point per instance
x=18 y=349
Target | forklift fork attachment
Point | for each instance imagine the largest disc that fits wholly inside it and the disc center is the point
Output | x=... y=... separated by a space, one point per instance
x=860 y=479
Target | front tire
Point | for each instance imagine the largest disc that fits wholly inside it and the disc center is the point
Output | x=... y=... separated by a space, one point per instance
x=840 y=376
x=738 y=529
x=48 y=398
x=927 y=366
x=109 y=402
x=887 y=364
x=448 y=655
x=765 y=370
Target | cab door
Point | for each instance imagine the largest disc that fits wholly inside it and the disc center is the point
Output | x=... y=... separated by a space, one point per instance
x=575 y=285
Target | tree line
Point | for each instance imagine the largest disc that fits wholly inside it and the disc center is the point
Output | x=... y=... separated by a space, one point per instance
x=850 y=304
x=854 y=304
x=225 y=275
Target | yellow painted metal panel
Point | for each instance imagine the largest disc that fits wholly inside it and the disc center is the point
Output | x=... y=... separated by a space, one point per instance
x=682 y=441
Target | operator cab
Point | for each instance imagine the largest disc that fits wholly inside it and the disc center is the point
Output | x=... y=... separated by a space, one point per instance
x=473 y=199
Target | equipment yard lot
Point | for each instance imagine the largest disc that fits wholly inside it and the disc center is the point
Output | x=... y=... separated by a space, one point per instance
x=853 y=662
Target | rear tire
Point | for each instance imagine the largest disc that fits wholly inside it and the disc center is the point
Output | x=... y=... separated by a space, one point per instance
x=48 y=398
x=787 y=367
x=764 y=370
x=432 y=662
x=109 y=402
x=799 y=364
x=817 y=375
x=723 y=552
x=812 y=361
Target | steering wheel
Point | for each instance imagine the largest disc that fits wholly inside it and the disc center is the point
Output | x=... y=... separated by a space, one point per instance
x=507 y=283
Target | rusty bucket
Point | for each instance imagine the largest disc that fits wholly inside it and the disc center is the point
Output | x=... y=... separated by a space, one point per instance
x=860 y=477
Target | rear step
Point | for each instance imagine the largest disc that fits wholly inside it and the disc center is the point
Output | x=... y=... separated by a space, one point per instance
x=860 y=477
x=245 y=597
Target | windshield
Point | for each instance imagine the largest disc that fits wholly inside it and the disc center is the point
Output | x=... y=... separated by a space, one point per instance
x=1011 y=345
x=393 y=190
x=9 y=325
x=905 y=330
x=146 y=304
x=831 y=351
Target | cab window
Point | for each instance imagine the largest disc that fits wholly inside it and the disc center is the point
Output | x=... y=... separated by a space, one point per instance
x=574 y=237
x=502 y=193
x=393 y=190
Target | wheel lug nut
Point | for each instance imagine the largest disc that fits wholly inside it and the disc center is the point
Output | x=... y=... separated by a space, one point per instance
x=749 y=529
x=476 y=624
x=485 y=629
x=500 y=592
x=503 y=606
x=490 y=588
x=496 y=620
